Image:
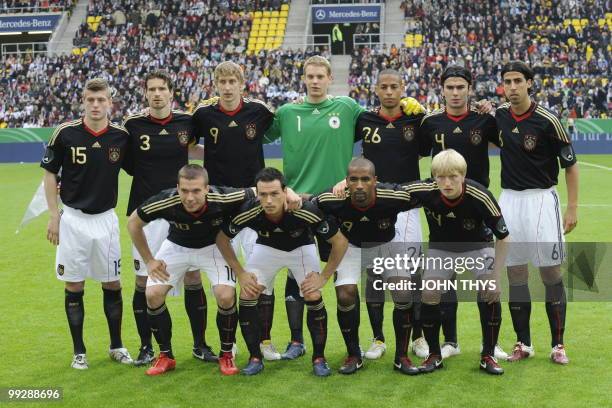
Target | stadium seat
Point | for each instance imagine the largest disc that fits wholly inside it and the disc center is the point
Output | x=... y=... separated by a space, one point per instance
x=571 y=42
x=257 y=14
x=285 y=7
x=275 y=13
x=284 y=13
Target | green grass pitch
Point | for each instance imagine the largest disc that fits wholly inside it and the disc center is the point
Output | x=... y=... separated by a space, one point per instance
x=37 y=349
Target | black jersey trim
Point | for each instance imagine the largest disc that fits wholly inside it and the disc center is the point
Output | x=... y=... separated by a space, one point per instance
x=118 y=127
x=484 y=198
x=133 y=116
x=61 y=127
x=247 y=215
x=259 y=101
x=307 y=215
x=561 y=135
x=505 y=105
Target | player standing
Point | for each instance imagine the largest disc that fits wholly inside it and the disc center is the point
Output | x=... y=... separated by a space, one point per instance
x=284 y=239
x=461 y=127
x=160 y=141
x=232 y=128
x=89 y=152
x=392 y=142
x=463 y=216
x=534 y=144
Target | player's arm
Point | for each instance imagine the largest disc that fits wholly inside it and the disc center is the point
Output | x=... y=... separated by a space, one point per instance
x=568 y=161
x=274 y=131
x=570 y=217
x=52 y=163
x=50 y=183
x=248 y=281
x=155 y=267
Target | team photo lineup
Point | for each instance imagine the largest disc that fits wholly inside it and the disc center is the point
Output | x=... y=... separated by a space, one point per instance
x=185 y=219
x=274 y=203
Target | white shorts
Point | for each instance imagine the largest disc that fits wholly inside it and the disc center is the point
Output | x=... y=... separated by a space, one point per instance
x=534 y=220
x=481 y=264
x=265 y=262
x=88 y=246
x=179 y=260
x=156 y=232
x=244 y=241
x=352 y=265
x=408 y=227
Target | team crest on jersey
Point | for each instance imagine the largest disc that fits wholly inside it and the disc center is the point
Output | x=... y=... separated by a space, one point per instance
x=408 y=132
x=475 y=137
x=469 y=224
x=529 y=142
x=334 y=122
x=136 y=265
x=114 y=154
x=323 y=228
x=233 y=229
x=216 y=222
x=183 y=137
x=60 y=269
x=296 y=233
x=251 y=131
x=384 y=223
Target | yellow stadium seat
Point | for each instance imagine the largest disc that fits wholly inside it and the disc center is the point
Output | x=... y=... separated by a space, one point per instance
x=263 y=27
x=274 y=13
x=257 y=14
x=285 y=7
x=575 y=21
x=273 y=20
x=256 y=22
x=261 y=40
x=267 y=13
x=604 y=81
x=601 y=22
x=280 y=33
x=584 y=22
x=76 y=51
x=91 y=19
x=272 y=25
x=284 y=13
x=571 y=42
x=265 y=20
x=566 y=22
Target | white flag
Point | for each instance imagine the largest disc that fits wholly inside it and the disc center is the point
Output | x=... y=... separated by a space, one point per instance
x=37 y=206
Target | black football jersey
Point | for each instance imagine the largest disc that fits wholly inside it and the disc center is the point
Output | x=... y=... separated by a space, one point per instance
x=372 y=225
x=473 y=217
x=90 y=163
x=468 y=134
x=294 y=230
x=194 y=230
x=533 y=145
x=392 y=144
x=158 y=149
x=233 y=141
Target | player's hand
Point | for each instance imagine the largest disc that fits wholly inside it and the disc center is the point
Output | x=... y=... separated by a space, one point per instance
x=339 y=189
x=53 y=229
x=411 y=106
x=492 y=295
x=248 y=284
x=312 y=283
x=570 y=220
x=293 y=200
x=157 y=270
x=484 y=106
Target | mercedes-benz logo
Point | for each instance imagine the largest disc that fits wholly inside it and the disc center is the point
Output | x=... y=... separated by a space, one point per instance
x=320 y=14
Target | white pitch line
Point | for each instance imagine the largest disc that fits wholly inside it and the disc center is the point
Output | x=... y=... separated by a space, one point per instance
x=599 y=166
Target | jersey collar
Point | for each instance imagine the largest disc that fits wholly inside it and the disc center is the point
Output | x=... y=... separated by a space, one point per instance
x=364 y=209
x=231 y=113
x=163 y=121
x=389 y=118
x=93 y=132
x=458 y=118
x=456 y=201
x=525 y=115
x=200 y=212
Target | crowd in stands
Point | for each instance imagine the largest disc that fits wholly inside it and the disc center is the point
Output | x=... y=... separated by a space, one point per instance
x=35 y=6
x=572 y=65
x=188 y=38
x=128 y=38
